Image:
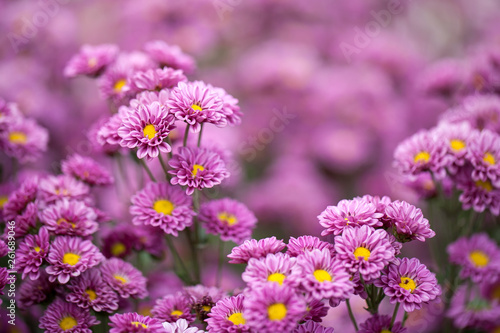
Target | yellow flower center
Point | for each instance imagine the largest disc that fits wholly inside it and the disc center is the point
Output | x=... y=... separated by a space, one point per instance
x=496 y=330
x=457 y=145
x=385 y=331
x=137 y=323
x=196 y=108
x=362 y=252
x=91 y=293
x=71 y=259
x=120 y=278
x=149 y=131
x=164 y=207
x=119 y=85
x=485 y=185
x=489 y=158
x=197 y=168
x=479 y=258
x=67 y=323
x=61 y=220
x=322 y=275
x=118 y=249
x=237 y=318
x=18 y=138
x=176 y=313
x=276 y=277
x=422 y=156
x=206 y=308
x=3 y=200
x=276 y=311
x=227 y=218
x=37 y=248
x=408 y=284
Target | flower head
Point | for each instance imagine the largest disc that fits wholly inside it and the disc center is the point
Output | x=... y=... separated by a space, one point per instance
x=303 y=244
x=381 y=324
x=34 y=291
x=227 y=316
x=311 y=326
x=53 y=188
x=255 y=249
x=409 y=222
x=91 y=60
x=31 y=253
x=20 y=198
x=24 y=140
x=169 y=55
x=67 y=317
x=134 y=323
x=124 y=278
x=274 y=268
x=70 y=218
x=484 y=154
x=180 y=326
x=87 y=170
x=157 y=79
x=172 y=308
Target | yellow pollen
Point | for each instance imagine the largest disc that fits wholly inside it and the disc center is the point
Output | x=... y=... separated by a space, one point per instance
x=457 y=145
x=322 y=275
x=423 y=156
x=3 y=200
x=408 y=284
x=227 y=218
x=18 y=138
x=362 y=252
x=119 y=85
x=206 y=308
x=485 y=185
x=91 y=293
x=137 y=323
x=176 y=313
x=37 y=249
x=120 y=278
x=479 y=258
x=61 y=220
x=196 y=108
x=164 y=207
x=197 y=168
x=276 y=277
x=67 y=323
x=118 y=249
x=71 y=259
x=276 y=311
x=237 y=318
x=149 y=131
x=385 y=331
x=489 y=158
x=496 y=330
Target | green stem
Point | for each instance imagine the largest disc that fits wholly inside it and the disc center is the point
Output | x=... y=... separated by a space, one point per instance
x=186 y=134
x=170 y=154
x=164 y=167
x=177 y=259
x=148 y=171
x=199 y=135
x=220 y=264
x=351 y=315
x=394 y=315
x=194 y=255
x=405 y=316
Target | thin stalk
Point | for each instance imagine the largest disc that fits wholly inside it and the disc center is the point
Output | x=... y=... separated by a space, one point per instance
x=194 y=255
x=177 y=258
x=394 y=315
x=164 y=167
x=186 y=133
x=148 y=171
x=199 y=135
x=170 y=144
x=351 y=315
x=220 y=264
x=405 y=316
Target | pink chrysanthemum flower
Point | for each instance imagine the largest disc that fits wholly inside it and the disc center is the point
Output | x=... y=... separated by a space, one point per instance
x=423 y=151
x=478 y=195
x=408 y=221
x=255 y=249
x=134 y=323
x=91 y=60
x=198 y=292
x=364 y=250
x=25 y=222
x=197 y=168
x=316 y=310
x=31 y=253
x=457 y=137
x=24 y=140
x=444 y=78
x=381 y=324
x=348 y=213
x=273 y=308
x=230 y=107
x=274 y=268
x=164 y=206
x=124 y=278
x=62 y=317
x=311 y=326
x=146 y=129
x=70 y=218
x=180 y=326
x=227 y=316
x=71 y=256
x=484 y=154
x=227 y=218
x=33 y=292
x=321 y=276
x=380 y=203
x=170 y=56
x=157 y=79
x=172 y=308
x=196 y=103
x=106 y=134
x=479 y=257
x=53 y=188
x=410 y=283
x=119 y=241
x=90 y=291
x=303 y=244
x=19 y=199
x=9 y=112
x=87 y=170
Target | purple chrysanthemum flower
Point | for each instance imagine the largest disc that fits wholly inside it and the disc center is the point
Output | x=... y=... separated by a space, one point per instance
x=381 y=324
x=230 y=107
x=444 y=78
x=180 y=326
x=26 y=221
x=119 y=241
x=157 y=79
x=172 y=308
x=34 y=291
x=197 y=168
x=87 y=170
x=316 y=310
x=9 y=112
x=313 y=327
x=20 y=198
x=53 y=188
x=478 y=195
x=255 y=249
x=479 y=257
x=348 y=213
x=410 y=283
x=169 y=55
x=164 y=206
x=303 y=244
x=146 y=129
x=70 y=256
x=106 y=134
x=196 y=103
x=484 y=154
x=197 y=293
x=457 y=137
x=422 y=152
x=89 y=290
x=62 y=317
x=273 y=308
x=227 y=316
x=364 y=250
x=408 y=221
x=124 y=278
x=228 y=218
x=91 y=60
x=380 y=203
x=274 y=268
x=321 y=276
x=31 y=253
x=70 y=218
x=24 y=140
x=134 y=323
